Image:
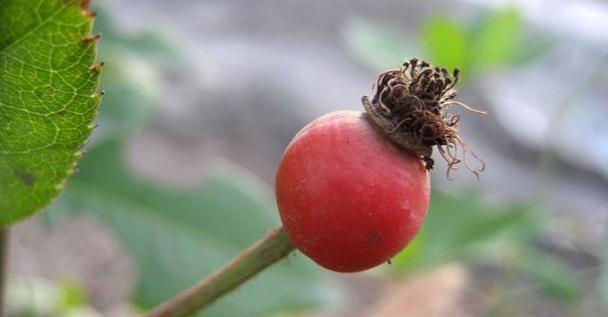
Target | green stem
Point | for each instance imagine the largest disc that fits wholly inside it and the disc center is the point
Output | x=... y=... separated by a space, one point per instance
x=4 y=238
x=272 y=248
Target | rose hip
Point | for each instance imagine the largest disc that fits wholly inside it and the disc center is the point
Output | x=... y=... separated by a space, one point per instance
x=348 y=198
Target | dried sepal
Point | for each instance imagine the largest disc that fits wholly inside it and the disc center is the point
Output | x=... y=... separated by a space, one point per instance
x=410 y=106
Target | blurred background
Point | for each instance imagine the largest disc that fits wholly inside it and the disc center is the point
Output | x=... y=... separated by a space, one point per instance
x=203 y=96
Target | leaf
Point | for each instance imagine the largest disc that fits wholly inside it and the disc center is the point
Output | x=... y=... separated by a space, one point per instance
x=379 y=47
x=178 y=237
x=48 y=99
x=461 y=227
x=497 y=39
x=446 y=43
x=551 y=276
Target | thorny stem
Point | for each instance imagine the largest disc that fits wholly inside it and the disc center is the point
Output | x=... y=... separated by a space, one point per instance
x=272 y=248
x=4 y=239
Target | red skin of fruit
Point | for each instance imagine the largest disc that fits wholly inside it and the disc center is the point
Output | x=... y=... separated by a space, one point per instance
x=348 y=198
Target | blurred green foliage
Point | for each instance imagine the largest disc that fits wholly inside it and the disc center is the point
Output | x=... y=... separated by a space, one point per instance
x=464 y=228
x=72 y=294
x=446 y=43
x=34 y=297
x=492 y=42
x=377 y=46
x=496 y=40
x=179 y=236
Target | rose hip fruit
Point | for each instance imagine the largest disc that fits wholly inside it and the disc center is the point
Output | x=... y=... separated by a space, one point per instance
x=353 y=188
x=349 y=198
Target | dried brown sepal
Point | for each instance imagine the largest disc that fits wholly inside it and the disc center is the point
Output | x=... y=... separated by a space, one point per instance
x=410 y=106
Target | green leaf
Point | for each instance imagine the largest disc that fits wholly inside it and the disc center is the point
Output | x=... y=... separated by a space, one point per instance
x=178 y=237
x=551 y=276
x=72 y=294
x=48 y=99
x=461 y=227
x=379 y=47
x=497 y=39
x=446 y=43
x=464 y=228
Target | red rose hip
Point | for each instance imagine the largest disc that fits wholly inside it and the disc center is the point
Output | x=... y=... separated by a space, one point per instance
x=348 y=198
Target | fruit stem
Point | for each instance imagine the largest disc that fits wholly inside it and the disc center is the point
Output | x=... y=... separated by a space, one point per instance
x=262 y=254
x=4 y=239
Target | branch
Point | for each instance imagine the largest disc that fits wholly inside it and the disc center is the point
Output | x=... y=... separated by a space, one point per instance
x=275 y=246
